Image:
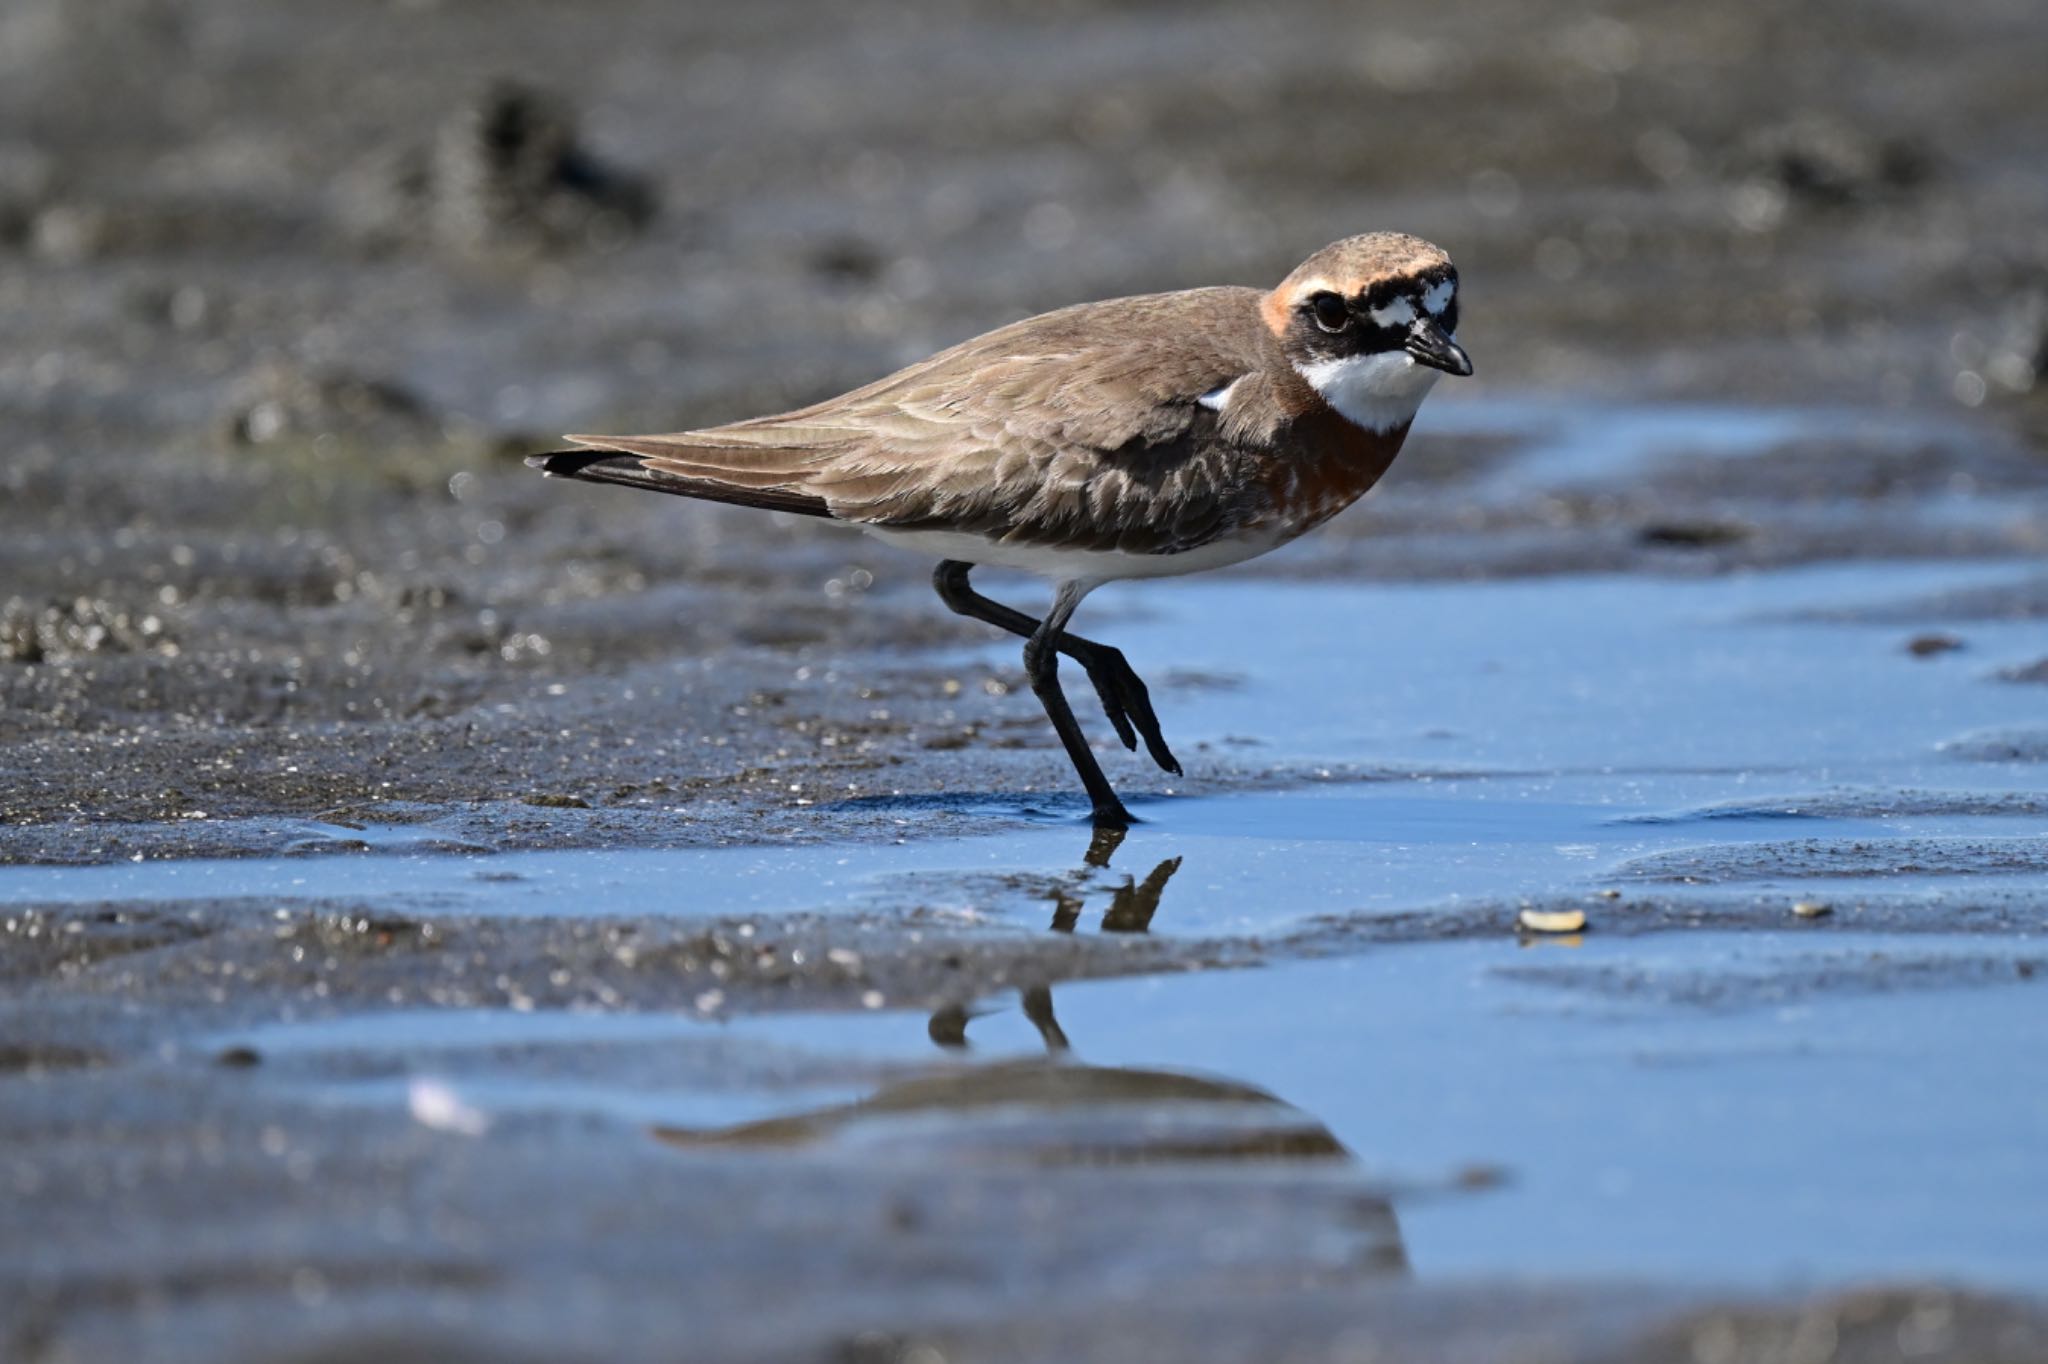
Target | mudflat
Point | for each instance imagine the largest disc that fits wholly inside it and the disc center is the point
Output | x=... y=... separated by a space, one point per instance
x=446 y=914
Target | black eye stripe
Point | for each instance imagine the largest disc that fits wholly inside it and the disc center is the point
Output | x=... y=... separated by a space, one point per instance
x=1362 y=337
x=1389 y=292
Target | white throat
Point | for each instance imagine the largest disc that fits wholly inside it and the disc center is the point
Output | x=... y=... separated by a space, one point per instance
x=1377 y=392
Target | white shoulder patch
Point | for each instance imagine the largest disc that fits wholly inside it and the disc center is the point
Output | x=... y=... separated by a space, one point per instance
x=1378 y=392
x=1218 y=398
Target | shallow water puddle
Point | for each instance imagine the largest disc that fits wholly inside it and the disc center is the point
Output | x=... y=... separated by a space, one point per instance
x=1576 y=444
x=1748 y=1109
x=1540 y=736
x=1739 y=1107
x=1744 y=1108
x=1625 y=676
x=1235 y=865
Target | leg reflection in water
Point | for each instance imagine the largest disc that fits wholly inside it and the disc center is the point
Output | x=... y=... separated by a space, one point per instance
x=948 y=1025
x=1131 y=905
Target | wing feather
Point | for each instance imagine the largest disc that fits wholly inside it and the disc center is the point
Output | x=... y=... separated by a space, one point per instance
x=1069 y=427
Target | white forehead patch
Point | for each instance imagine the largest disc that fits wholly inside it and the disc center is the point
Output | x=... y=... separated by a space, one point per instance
x=1399 y=313
x=1439 y=297
x=1378 y=392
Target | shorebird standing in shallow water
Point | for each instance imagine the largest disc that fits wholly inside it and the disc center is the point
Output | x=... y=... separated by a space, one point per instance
x=1135 y=438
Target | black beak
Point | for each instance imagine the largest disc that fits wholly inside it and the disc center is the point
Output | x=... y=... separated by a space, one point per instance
x=1431 y=345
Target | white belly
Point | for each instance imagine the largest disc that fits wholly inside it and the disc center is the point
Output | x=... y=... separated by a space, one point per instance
x=1074 y=565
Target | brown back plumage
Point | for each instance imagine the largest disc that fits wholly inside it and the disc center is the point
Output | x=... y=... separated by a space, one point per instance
x=1082 y=427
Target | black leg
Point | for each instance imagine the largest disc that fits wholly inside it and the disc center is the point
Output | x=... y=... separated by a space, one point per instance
x=1042 y=666
x=1124 y=697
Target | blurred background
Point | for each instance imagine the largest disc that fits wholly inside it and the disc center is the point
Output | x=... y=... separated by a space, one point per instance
x=284 y=290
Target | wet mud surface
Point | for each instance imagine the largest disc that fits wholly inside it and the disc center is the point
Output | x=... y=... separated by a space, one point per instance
x=449 y=915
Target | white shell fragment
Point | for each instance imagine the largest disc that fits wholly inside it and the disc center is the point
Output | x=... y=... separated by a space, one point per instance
x=434 y=1104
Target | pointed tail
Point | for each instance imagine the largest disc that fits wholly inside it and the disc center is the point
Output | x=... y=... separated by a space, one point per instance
x=637 y=471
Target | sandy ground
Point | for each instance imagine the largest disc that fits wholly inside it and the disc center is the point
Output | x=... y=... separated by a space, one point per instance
x=277 y=322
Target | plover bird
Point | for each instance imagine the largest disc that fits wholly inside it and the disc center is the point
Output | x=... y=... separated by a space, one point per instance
x=1134 y=438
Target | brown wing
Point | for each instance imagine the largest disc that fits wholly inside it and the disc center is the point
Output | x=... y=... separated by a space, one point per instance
x=1082 y=427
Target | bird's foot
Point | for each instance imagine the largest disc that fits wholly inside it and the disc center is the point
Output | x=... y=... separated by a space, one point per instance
x=1110 y=814
x=1129 y=706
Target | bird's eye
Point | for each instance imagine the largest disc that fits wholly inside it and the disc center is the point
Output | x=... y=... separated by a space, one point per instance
x=1330 y=312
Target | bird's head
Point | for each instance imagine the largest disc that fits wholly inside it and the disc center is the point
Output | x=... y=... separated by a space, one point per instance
x=1369 y=322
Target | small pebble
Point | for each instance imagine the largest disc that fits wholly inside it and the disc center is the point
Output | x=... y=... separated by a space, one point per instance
x=1554 y=920
x=1812 y=909
x=1928 y=646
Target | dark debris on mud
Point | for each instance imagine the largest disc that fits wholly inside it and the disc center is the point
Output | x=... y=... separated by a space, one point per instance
x=506 y=171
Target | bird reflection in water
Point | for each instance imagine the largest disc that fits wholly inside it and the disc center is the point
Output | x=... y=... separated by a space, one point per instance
x=1054 y=1110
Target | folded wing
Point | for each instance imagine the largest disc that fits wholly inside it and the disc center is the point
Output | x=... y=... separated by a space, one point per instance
x=1082 y=426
